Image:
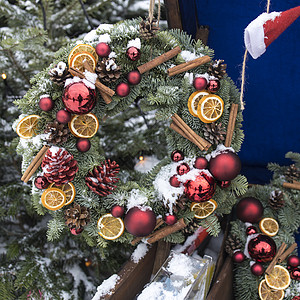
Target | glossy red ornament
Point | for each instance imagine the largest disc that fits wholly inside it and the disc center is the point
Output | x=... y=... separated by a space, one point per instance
x=41 y=182
x=174 y=181
x=78 y=98
x=133 y=53
x=140 y=221
x=251 y=230
x=122 y=89
x=134 y=77
x=200 y=163
x=238 y=256
x=257 y=269
x=293 y=261
x=103 y=49
x=200 y=83
x=183 y=169
x=63 y=116
x=177 y=156
x=262 y=248
x=295 y=274
x=213 y=85
x=225 y=166
x=201 y=189
x=250 y=210
x=170 y=219
x=224 y=184
x=46 y=103
x=83 y=145
x=75 y=231
x=117 y=211
x=296 y=298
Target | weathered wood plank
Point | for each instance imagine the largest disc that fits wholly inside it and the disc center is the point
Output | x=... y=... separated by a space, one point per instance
x=173 y=14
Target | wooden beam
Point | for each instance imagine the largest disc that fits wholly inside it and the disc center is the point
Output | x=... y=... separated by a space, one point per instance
x=162 y=252
x=173 y=14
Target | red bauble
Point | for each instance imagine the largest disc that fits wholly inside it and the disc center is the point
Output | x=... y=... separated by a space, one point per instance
x=134 y=77
x=103 y=49
x=201 y=163
x=183 y=169
x=177 y=156
x=295 y=274
x=250 y=210
x=213 y=85
x=200 y=83
x=117 y=211
x=46 y=103
x=238 y=256
x=122 y=89
x=133 y=53
x=78 y=98
x=293 y=261
x=257 y=269
x=225 y=166
x=83 y=145
x=63 y=116
x=170 y=219
x=224 y=184
x=262 y=248
x=251 y=230
x=174 y=181
x=296 y=298
x=201 y=189
x=41 y=182
x=75 y=231
x=140 y=222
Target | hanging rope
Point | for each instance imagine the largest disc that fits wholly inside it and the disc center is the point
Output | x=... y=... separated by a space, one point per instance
x=151 y=11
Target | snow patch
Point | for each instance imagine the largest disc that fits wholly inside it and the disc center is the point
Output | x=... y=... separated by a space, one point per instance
x=205 y=75
x=220 y=149
x=106 y=287
x=134 y=43
x=188 y=56
x=105 y=27
x=136 y=198
x=104 y=38
x=139 y=252
x=91 y=36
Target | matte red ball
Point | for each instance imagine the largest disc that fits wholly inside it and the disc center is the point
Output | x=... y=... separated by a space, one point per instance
x=251 y=230
x=183 y=169
x=201 y=189
x=238 y=256
x=200 y=83
x=201 y=163
x=46 y=104
x=123 y=89
x=103 y=49
x=213 y=85
x=177 y=156
x=262 y=248
x=78 y=98
x=249 y=210
x=170 y=219
x=295 y=274
x=63 y=116
x=293 y=261
x=83 y=145
x=257 y=269
x=41 y=182
x=174 y=181
x=75 y=231
x=117 y=211
x=225 y=166
x=133 y=53
x=134 y=77
x=140 y=222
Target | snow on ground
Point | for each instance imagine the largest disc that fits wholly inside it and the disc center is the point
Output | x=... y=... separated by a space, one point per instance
x=106 y=287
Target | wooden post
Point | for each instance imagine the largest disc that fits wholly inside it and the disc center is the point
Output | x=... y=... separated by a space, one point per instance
x=173 y=14
x=162 y=252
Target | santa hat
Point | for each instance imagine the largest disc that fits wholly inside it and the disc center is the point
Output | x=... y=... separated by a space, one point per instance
x=266 y=28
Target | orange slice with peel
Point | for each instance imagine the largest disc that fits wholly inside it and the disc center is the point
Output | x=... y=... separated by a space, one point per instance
x=194 y=100
x=210 y=108
x=82 y=48
x=26 y=128
x=84 y=126
x=269 y=226
x=79 y=58
x=279 y=278
x=53 y=198
x=204 y=209
x=68 y=189
x=266 y=293
x=109 y=227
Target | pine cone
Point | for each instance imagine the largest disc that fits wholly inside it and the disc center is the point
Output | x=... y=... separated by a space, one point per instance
x=107 y=70
x=276 y=200
x=180 y=204
x=232 y=243
x=59 y=133
x=59 y=74
x=59 y=166
x=101 y=180
x=214 y=133
x=192 y=226
x=77 y=216
x=292 y=173
x=148 y=30
x=217 y=69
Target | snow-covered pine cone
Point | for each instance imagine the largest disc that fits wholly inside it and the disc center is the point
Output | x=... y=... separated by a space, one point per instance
x=77 y=216
x=59 y=133
x=148 y=30
x=59 y=73
x=276 y=200
x=107 y=70
x=232 y=243
x=217 y=69
x=292 y=173
x=214 y=133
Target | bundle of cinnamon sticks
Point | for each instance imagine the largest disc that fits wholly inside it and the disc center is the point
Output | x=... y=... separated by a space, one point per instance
x=292 y=185
x=231 y=124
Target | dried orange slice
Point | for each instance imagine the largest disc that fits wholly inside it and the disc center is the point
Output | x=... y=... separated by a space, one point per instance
x=109 y=227
x=204 y=209
x=210 y=108
x=84 y=126
x=82 y=48
x=279 y=278
x=26 y=128
x=266 y=293
x=53 y=198
x=194 y=100
x=68 y=189
x=269 y=226
x=79 y=58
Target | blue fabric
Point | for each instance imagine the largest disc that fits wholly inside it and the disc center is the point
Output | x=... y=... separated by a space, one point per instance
x=271 y=116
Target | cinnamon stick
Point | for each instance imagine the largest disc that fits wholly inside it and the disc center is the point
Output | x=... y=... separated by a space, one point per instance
x=189 y=65
x=159 y=60
x=296 y=182
x=289 y=251
x=178 y=130
x=36 y=162
x=275 y=259
x=231 y=124
x=288 y=185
